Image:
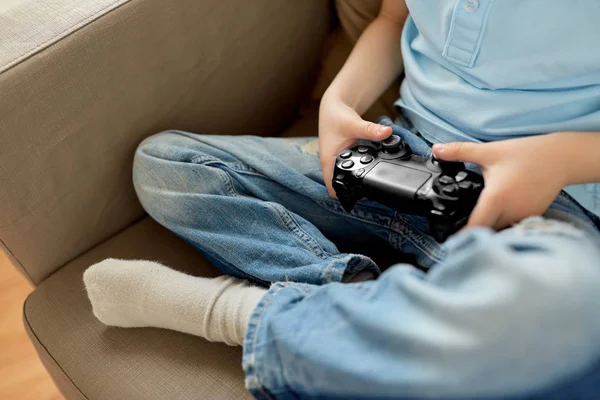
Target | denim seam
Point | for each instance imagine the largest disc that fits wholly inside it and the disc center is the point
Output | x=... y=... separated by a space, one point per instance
x=334 y=265
x=239 y=167
x=228 y=181
x=338 y=263
x=244 y=169
x=335 y=208
x=390 y=225
x=290 y=222
x=254 y=376
x=284 y=216
x=298 y=288
x=411 y=235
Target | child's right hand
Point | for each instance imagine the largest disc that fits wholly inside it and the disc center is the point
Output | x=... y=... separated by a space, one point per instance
x=340 y=127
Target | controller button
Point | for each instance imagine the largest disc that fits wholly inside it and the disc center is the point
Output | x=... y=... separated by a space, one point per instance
x=450 y=189
x=340 y=177
x=461 y=176
x=466 y=185
x=348 y=164
x=446 y=180
x=360 y=173
x=363 y=149
x=346 y=154
x=366 y=159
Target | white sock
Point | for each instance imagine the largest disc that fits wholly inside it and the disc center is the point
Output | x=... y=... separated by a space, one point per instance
x=148 y=294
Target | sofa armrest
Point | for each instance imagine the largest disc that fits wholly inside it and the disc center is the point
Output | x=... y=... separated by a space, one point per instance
x=74 y=104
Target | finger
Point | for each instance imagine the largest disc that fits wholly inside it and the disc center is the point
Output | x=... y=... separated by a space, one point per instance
x=361 y=129
x=460 y=151
x=328 y=166
x=486 y=212
x=328 y=155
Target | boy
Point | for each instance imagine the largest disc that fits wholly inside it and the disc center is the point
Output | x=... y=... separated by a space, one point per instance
x=513 y=87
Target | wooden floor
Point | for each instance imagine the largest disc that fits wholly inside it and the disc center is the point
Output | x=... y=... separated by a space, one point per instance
x=22 y=376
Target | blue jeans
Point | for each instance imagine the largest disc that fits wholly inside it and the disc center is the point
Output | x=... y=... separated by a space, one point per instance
x=487 y=315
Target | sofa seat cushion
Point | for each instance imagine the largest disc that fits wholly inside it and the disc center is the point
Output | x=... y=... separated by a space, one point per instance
x=88 y=360
x=92 y=361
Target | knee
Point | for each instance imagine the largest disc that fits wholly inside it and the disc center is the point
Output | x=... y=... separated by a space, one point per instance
x=166 y=167
x=152 y=158
x=172 y=170
x=537 y=285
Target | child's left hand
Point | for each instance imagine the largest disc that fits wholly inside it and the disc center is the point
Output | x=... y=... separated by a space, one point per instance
x=522 y=176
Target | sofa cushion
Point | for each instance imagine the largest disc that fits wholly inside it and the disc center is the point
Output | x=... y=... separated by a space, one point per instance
x=89 y=360
x=72 y=114
x=93 y=361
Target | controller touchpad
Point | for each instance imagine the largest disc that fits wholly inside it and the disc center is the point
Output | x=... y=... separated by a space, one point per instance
x=399 y=180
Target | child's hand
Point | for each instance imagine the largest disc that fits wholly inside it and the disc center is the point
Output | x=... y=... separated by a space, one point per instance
x=340 y=127
x=522 y=176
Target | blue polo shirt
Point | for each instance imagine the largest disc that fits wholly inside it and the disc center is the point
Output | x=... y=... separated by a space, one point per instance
x=483 y=70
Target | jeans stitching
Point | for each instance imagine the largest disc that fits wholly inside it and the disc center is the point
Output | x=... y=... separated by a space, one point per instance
x=260 y=386
x=216 y=163
x=290 y=222
x=327 y=274
x=299 y=288
x=238 y=167
x=336 y=208
x=407 y=232
x=281 y=212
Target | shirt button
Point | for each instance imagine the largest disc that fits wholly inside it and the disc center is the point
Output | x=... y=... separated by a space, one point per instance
x=471 y=5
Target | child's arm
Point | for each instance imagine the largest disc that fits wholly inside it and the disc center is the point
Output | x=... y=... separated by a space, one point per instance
x=523 y=176
x=373 y=64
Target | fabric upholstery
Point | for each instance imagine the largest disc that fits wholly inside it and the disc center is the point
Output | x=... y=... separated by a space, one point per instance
x=86 y=359
x=72 y=114
x=114 y=363
x=354 y=17
x=38 y=24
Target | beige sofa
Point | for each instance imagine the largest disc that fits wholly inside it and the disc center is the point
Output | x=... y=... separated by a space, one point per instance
x=82 y=82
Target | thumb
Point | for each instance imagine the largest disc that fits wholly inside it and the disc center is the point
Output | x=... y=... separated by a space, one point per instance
x=369 y=130
x=459 y=151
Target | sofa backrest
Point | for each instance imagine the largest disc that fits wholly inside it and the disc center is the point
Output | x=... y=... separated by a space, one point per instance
x=74 y=108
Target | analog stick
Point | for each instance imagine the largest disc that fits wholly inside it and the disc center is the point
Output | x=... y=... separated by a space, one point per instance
x=393 y=144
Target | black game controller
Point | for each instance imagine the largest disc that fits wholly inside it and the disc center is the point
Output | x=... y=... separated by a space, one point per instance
x=389 y=173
